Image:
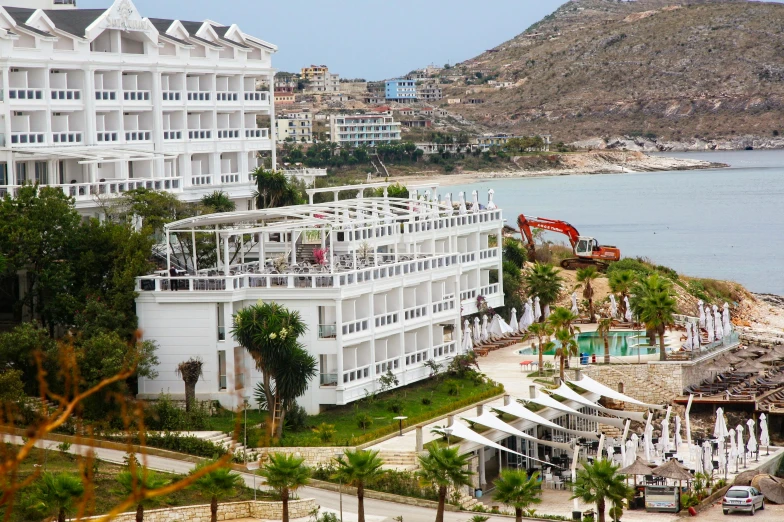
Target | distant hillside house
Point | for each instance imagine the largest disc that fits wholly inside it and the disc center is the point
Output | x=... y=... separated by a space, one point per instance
x=369 y=130
x=284 y=98
x=416 y=123
x=429 y=92
x=294 y=126
x=453 y=101
x=474 y=101
x=401 y=90
x=500 y=140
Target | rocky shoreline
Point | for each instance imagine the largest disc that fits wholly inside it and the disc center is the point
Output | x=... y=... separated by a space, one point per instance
x=648 y=144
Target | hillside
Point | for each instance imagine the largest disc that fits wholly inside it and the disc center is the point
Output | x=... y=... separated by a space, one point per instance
x=666 y=70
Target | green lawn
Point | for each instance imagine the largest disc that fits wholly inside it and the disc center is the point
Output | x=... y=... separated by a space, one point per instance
x=106 y=493
x=409 y=401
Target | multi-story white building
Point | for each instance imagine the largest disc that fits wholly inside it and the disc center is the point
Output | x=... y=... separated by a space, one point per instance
x=294 y=126
x=98 y=102
x=363 y=129
x=398 y=277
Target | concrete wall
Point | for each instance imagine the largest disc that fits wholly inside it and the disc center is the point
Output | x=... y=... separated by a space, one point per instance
x=314 y=457
x=228 y=511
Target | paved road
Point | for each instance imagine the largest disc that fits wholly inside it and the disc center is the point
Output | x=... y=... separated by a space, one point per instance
x=772 y=513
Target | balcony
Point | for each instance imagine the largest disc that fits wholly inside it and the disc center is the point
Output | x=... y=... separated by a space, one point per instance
x=171 y=96
x=172 y=135
x=141 y=135
x=227 y=96
x=108 y=136
x=140 y=96
x=327 y=331
x=87 y=191
x=73 y=138
x=104 y=95
x=390 y=364
x=26 y=94
x=199 y=96
x=443 y=350
x=468 y=294
x=199 y=134
x=28 y=138
x=446 y=305
x=256 y=133
x=417 y=357
x=229 y=134
x=489 y=253
x=66 y=94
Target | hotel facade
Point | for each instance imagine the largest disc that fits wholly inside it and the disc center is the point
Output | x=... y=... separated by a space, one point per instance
x=98 y=102
x=388 y=296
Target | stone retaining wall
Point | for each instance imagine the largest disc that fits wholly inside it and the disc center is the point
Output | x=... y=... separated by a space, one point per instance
x=228 y=511
x=314 y=457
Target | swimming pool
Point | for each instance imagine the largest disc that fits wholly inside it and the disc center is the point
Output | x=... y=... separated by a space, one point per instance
x=621 y=344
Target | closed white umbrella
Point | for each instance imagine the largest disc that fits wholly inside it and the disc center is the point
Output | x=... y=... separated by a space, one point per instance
x=689 y=341
x=707 y=456
x=665 y=435
x=530 y=307
x=477 y=331
x=695 y=340
x=546 y=311
x=702 y=313
x=722 y=455
x=468 y=342
x=475 y=204
x=647 y=440
x=485 y=333
x=631 y=453
x=613 y=307
x=741 y=444
x=719 y=427
x=448 y=202
x=733 y=446
x=628 y=315
x=752 y=444
x=490 y=204
x=677 y=436
x=462 y=208
x=513 y=321
x=494 y=329
x=575 y=310
x=764 y=435
x=537 y=309
x=717 y=323
x=727 y=324
x=525 y=318
x=709 y=325
x=505 y=328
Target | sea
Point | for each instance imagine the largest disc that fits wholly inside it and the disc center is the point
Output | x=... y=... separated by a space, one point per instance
x=723 y=223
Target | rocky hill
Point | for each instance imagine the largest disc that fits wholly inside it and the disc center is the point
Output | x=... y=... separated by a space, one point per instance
x=661 y=71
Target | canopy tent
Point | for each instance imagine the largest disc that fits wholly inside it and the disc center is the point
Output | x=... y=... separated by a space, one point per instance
x=588 y=384
x=546 y=400
x=464 y=432
x=516 y=409
x=567 y=393
x=491 y=421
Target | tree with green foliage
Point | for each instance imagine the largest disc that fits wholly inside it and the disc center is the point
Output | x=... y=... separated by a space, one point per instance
x=515 y=488
x=135 y=482
x=11 y=388
x=190 y=371
x=218 y=201
x=270 y=332
x=542 y=331
x=285 y=474
x=621 y=282
x=603 y=330
x=356 y=468
x=563 y=318
x=17 y=349
x=53 y=495
x=566 y=347
x=514 y=252
x=543 y=281
x=653 y=301
x=600 y=483
x=275 y=189
x=586 y=276
x=445 y=468
x=219 y=483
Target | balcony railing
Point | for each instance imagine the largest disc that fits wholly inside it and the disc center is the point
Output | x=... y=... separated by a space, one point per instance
x=227 y=96
x=357 y=326
x=205 y=179
x=447 y=304
x=107 y=136
x=228 y=134
x=136 y=95
x=490 y=289
x=171 y=95
x=328 y=379
x=358 y=374
x=256 y=133
x=467 y=294
x=138 y=136
x=86 y=191
x=489 y=253
x=388 y=365
x=417 y=357
x=230 y=178
x=415 y=312
x=327 y=331
x=106 y=95
x=67 y=137
x=256 y=96
x=386 y=319
x=199 y=134
x=172 y=135
x=443 y=350
x=26 y=94
x=66 y=94
x=28 y=138
x=199 y=96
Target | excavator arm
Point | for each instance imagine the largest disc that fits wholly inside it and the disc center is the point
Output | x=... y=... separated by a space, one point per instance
x=553 y=225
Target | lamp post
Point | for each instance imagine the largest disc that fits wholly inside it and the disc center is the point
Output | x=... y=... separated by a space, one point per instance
x=726 y=460
x=253 y=466
x=447 y=431
x=245 y=443
x=400 y=420
x=339 y=456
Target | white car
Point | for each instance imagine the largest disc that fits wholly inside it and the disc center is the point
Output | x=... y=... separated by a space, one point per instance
x=742 y=498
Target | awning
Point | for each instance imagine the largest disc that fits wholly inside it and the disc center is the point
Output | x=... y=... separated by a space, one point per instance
x=546 y=400
x=464 y=432
x=87 y=155
x=586 y=383
x=516 y=409
x=491 y=421
x=567 y=393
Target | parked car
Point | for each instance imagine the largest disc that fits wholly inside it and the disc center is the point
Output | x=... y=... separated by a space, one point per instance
x=742 y=498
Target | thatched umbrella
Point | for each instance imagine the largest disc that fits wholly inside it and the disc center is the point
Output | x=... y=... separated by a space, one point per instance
x=772 y=490
x=672 y=469
x=746 y=354
x=638 y=467
x=730 y=358
x=771 y=357
x=745 y=478
x=750 y=367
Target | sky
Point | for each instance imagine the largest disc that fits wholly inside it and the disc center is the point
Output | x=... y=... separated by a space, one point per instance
x=369 y=39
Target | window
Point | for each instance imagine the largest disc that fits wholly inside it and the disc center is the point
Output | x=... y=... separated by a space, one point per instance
x=62 y=172
x=221 y=325
x=222 y=370
x=3 y=174
x=40 y=172
x=239 y=367
x=21 y=173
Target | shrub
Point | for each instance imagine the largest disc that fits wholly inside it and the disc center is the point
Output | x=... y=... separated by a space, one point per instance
x=324 y=432
x=452 y=387
x=364 y=421
x=63 y=447
x=426 y=401
x=395 y=405
x=296 y=418
x=404 y=483
x=173 y=441
x=688 y=500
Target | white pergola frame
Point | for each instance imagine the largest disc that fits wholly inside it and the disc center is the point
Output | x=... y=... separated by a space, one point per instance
x=92 y=155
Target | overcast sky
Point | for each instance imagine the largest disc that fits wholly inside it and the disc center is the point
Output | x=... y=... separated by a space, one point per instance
x=369 y=39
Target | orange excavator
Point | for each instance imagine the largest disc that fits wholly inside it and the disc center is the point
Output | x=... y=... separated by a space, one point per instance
x=587 y=250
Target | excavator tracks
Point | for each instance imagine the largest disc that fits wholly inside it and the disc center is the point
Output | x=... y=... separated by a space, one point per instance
x=575 y=263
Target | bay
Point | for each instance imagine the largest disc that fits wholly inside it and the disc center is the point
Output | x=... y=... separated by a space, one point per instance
x=718 y=223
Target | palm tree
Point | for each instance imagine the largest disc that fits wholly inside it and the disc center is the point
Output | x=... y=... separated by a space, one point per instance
x=218 y=483
x=586 y=276
x=515 y=488
x=275 y=189
x=270 y=332
x=567 y=347
x=355 y=468
x=621 y=282
x=190 y=371
x=218 y=201
x=53 y=494
x=541 y=331
x=653 y=301
x=599 y=483
x=136 y=482
x=543 y=281
x=561 y=318
x=443 y=467
x=603 y=329
x=514 y=252
x=285 y=473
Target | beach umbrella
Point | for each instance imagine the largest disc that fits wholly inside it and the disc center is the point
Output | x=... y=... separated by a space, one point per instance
x=636 y=440
x=546 y=311
x=688 y=344
x=613 y=306
x=475 y=203
x=477 y=332
x=490 y=204
x=674 y=471
x=524 y=324
x=722 y=455
x=717 y=321
x=707 y=457
x=702 y=313
x=709 y=325
x=647 y=440
x=636 y=467
x=537 y=309
x=750 y=367
x=733 y=446
x=468 y=342
x=665 y=435
x=513 y=321
x=719 y=425
x=764 y=435
x=752 y=444
x=695 y=340
x=448 y=202
x=631 y=453
x=770 y=357
x=628 y=315
x=677 y=436
x=739 y=435
x=575 y=310
x=730 y=358
x=485 y=333
x=725 y=315
x=746 y=354
x=462 y=208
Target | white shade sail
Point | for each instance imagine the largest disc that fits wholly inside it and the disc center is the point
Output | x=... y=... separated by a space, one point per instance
x=588 y=384
x=546 y=400
x=567 y=393
x=516 y=409
x=491 y=421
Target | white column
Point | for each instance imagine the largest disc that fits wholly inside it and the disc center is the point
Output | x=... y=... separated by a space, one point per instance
x=272 y=120
x=482 y=468
x=226 y=259
x=158 y=170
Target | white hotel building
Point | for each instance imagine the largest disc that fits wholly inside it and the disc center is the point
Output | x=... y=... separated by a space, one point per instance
x=99 y=102
x=400 y=275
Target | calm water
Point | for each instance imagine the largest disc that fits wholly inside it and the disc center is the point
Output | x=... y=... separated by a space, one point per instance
x=722 y=223
x=621 y=343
